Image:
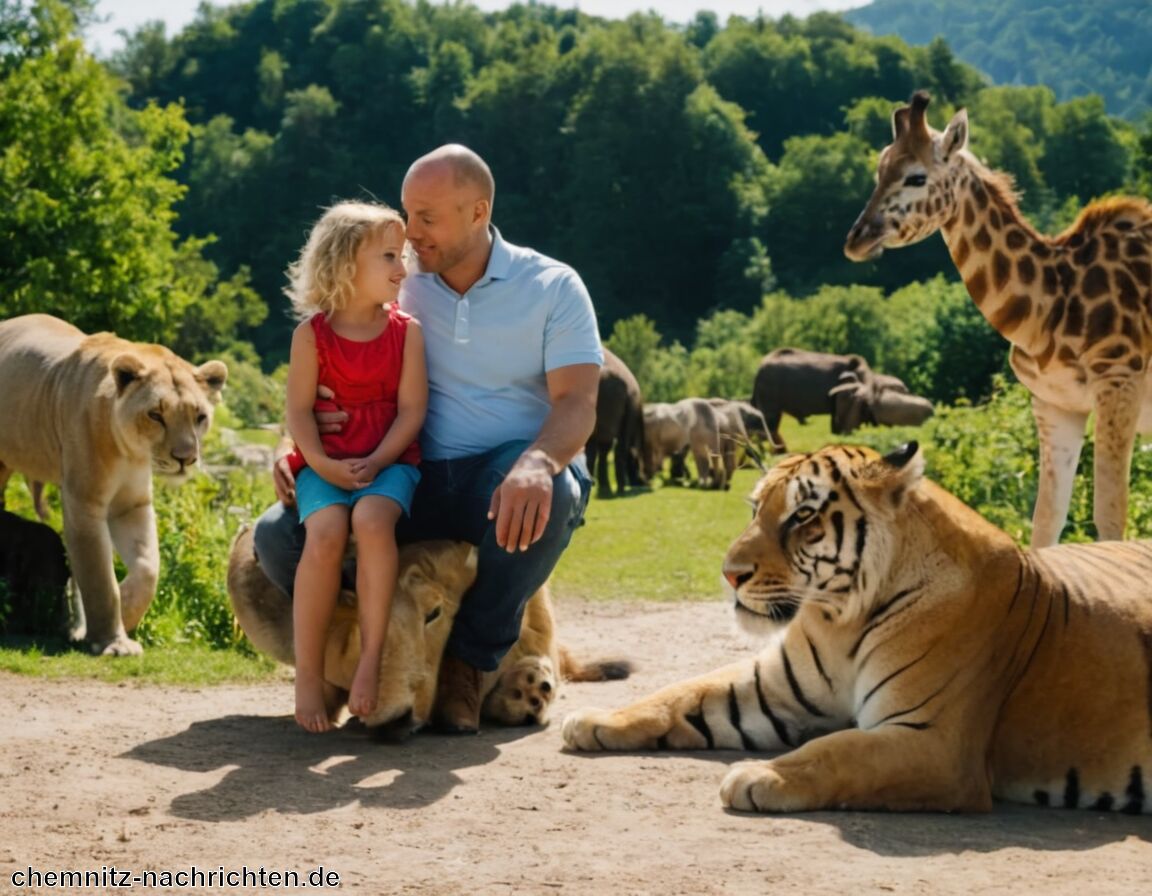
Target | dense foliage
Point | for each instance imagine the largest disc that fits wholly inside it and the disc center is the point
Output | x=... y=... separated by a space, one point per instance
x=87 y=225
x=681 y=170
x=1073 y=46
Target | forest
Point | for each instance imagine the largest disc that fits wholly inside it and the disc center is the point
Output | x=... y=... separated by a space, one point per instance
x=701 y=178
x=1071 y=46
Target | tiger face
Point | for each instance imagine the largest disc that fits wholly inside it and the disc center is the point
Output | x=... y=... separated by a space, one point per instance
x=818 y=534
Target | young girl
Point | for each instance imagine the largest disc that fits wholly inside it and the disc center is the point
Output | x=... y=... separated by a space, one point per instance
x=354 y=340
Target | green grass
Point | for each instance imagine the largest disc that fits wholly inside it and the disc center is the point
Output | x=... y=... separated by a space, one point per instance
x=184 y=665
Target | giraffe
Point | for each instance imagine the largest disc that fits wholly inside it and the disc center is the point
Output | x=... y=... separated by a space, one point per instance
x=1076 y=307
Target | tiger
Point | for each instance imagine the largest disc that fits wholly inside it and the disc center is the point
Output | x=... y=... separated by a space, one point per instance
x=916 y=657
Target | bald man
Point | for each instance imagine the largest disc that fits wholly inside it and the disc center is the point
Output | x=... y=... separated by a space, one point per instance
x=513 y=356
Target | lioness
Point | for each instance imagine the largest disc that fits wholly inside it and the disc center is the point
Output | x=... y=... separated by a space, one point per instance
x=96 y=414
x=433 y=577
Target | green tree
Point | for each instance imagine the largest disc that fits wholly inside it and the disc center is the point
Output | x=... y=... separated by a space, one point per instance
x=86 y=229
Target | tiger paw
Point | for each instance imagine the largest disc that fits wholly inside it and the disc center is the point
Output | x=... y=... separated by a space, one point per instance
x=580 y=730
x=757 y=787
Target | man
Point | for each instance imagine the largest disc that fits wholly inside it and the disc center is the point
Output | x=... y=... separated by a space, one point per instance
x=513 y=356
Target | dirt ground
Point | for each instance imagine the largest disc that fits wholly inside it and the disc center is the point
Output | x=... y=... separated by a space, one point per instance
x=221 y=779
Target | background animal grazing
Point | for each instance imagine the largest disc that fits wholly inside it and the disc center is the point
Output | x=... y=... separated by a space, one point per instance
x=433 y=576
x=881 y=399
x=688 y=425
x=798 y=382
x=619 y=427
x=96 y=415
x=926 y=663
x=33 y=578
x=1077 y=307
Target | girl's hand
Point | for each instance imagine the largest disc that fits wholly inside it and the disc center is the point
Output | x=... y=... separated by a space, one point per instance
x=365 y=469
x=339 y=473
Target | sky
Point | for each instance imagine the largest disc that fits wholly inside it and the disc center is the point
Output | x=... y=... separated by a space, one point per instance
x=130 y=14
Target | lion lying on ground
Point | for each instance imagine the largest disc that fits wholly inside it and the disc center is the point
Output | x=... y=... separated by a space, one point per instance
x=433 y=576
x=96 y=415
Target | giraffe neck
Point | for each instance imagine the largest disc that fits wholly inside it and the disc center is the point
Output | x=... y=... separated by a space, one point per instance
x=998 y=253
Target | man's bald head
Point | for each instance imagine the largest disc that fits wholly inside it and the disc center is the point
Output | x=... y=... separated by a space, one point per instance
x=466 y=167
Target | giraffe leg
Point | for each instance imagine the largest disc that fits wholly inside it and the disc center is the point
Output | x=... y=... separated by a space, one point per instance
x=1117 y=412
x=1061 y=434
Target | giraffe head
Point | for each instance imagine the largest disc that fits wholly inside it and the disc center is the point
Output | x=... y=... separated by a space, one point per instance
x=915 y=183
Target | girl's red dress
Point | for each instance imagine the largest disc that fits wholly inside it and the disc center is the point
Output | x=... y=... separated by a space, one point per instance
x=365 y=377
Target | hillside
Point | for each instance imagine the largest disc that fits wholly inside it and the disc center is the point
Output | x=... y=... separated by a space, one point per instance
x=1072 y=46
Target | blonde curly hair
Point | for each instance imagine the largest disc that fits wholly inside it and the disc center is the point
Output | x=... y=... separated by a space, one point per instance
x=320 y=280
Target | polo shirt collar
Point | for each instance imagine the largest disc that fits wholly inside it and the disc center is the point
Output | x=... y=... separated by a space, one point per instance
x=499 y=260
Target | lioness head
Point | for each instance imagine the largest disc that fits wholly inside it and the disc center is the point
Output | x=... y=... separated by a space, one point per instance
x=163 y=405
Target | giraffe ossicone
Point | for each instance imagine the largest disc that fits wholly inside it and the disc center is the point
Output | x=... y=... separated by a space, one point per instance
x=1076 y=307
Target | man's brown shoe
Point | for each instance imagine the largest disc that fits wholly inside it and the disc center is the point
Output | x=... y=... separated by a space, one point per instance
x=457 y=707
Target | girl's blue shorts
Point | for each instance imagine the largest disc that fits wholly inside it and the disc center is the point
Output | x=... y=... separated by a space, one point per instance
x=397 y=482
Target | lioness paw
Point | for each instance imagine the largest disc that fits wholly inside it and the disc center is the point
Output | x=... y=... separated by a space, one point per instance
x=123 y=646
x=524 y=694
x=756 y=787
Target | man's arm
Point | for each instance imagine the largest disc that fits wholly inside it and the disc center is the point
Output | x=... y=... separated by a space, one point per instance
x=283 y=481
x=523 y=502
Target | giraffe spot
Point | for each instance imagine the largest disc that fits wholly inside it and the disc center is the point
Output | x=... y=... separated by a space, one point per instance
x=1051 y=282
x=1086 y=254
x=1126 y=291
x=1041 y=251
x=1111 y=246
x=981 y=195
x=1015 y=239
x=1101 y=322
x=1095 y=282
x=1011 y=314
x=1026 y=269
x=1067 y=276
x=1142 y=271
x=1136 y=363
x=962 y=250
x=1101 y=367
x=1130 y=330
x=994 y=219
x=1066 y=354
x=1122 y=224
x=982 y=241
x=1001 y=270
x=1045 y=356
x=1135 y=248
x=1074 y=241
x=969 y=213
x=1117 y=351
x=977 y=286
x=1075 y=323
x=1055 y=315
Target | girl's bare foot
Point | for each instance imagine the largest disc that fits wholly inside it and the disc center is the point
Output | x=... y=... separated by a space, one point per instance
x=311 y=712
x=363 y=696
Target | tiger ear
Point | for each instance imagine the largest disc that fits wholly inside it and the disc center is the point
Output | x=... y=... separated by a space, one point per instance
x=902 y=471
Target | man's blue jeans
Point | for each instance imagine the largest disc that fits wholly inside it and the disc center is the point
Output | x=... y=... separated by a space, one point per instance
x=452 y=501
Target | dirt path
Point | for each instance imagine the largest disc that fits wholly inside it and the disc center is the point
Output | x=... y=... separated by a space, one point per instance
x=221 y=777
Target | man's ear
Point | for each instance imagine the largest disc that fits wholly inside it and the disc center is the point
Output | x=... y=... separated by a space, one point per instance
x=481 y=211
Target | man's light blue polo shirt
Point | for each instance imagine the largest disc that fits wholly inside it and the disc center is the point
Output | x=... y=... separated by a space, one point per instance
x=527 y=315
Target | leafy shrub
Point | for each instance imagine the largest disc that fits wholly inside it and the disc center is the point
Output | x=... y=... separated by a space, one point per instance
x=197 y=523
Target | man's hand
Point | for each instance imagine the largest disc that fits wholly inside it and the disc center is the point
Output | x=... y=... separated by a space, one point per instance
x=328 y=421
x=522 y=504
x=284 y=482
